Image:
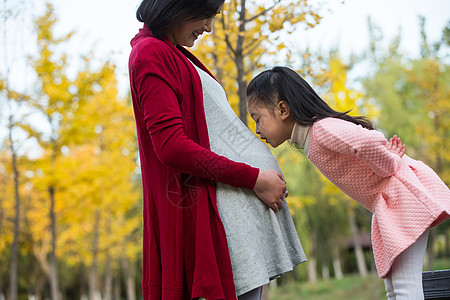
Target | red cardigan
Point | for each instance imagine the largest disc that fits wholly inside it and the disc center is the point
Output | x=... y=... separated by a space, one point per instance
x=185 y=252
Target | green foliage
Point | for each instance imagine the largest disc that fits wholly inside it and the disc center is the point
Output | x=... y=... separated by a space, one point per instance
x=88 y=158
x=351 y=287
x=412 y=95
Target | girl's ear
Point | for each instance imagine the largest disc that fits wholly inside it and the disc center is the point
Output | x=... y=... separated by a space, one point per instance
x=284 y=110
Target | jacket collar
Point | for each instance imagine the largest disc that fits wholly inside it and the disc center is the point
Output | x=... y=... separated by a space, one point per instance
x=300 y=136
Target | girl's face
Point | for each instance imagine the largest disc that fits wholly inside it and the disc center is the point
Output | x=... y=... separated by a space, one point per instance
x=186 y=33
x=272 y=124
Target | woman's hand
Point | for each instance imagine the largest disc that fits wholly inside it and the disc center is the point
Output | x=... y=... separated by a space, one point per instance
x=395 y=146
x=270 y=188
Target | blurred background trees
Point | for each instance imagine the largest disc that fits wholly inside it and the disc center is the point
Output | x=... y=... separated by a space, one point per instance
x=76 y=227
x=70 y=194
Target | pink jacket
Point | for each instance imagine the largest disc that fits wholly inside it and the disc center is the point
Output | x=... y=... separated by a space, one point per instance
x=405 y=196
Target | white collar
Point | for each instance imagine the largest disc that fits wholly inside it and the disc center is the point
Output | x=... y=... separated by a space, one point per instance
x=300 y=136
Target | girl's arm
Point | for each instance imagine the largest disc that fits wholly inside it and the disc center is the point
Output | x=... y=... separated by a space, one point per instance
x=368 y=145
x=164 y=121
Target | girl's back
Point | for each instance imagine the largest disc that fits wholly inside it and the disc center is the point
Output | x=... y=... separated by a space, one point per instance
x=355 y=159
x=405 y=196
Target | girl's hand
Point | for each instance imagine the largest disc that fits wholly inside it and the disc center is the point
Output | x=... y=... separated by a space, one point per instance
x=395 y=146
x=270 y=188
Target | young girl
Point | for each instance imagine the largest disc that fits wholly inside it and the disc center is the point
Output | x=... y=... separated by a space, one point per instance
x=405 y=196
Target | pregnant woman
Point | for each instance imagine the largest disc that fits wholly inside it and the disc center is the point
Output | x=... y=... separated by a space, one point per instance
x=206 y=232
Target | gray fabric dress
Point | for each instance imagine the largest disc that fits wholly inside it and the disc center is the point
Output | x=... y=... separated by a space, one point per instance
x=262 y=244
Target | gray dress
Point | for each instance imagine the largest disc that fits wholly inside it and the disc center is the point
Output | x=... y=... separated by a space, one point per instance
x=262 y=244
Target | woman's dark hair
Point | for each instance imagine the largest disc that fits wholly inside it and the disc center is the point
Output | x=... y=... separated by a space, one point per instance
x=282 y=83
x=161 y=15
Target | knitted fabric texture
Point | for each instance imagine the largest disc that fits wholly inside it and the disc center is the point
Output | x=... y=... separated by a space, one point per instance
x=405 y=196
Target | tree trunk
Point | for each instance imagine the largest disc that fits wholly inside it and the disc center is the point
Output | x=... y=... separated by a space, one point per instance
x=430 y=249
x=41 y=256
x=375 y=281
x=219 y=71
x=266 y=292
x=2 y=214
x=312 y=273
x=39 y=287
x=447 y=243
x=129 y=272
x=53 y=262
x=116 y=291
x=1 y=259
x=437 y=168
x=325 y=265
x=242 y=86
x=312 y=262
x=337 y=264
x=108 y=292
x=83 y=289
x=359 y=253
x=325 y=271
x=13 y=283
x=2 y=295
x=93 y=286
x=239 y=61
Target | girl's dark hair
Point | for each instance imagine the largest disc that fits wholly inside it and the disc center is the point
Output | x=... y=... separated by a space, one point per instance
x=161 y=15
x=282 y=83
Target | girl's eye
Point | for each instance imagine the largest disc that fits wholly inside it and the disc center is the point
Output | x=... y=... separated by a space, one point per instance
x=257 y=121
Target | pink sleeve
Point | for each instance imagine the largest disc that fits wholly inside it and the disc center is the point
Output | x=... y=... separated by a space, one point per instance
x=351 y=139
x=162 y=116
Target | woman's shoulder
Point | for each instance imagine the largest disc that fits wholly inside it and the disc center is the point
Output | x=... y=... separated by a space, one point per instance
x=151 y=48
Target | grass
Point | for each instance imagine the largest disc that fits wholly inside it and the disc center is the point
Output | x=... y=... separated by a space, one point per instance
x=351 y=287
